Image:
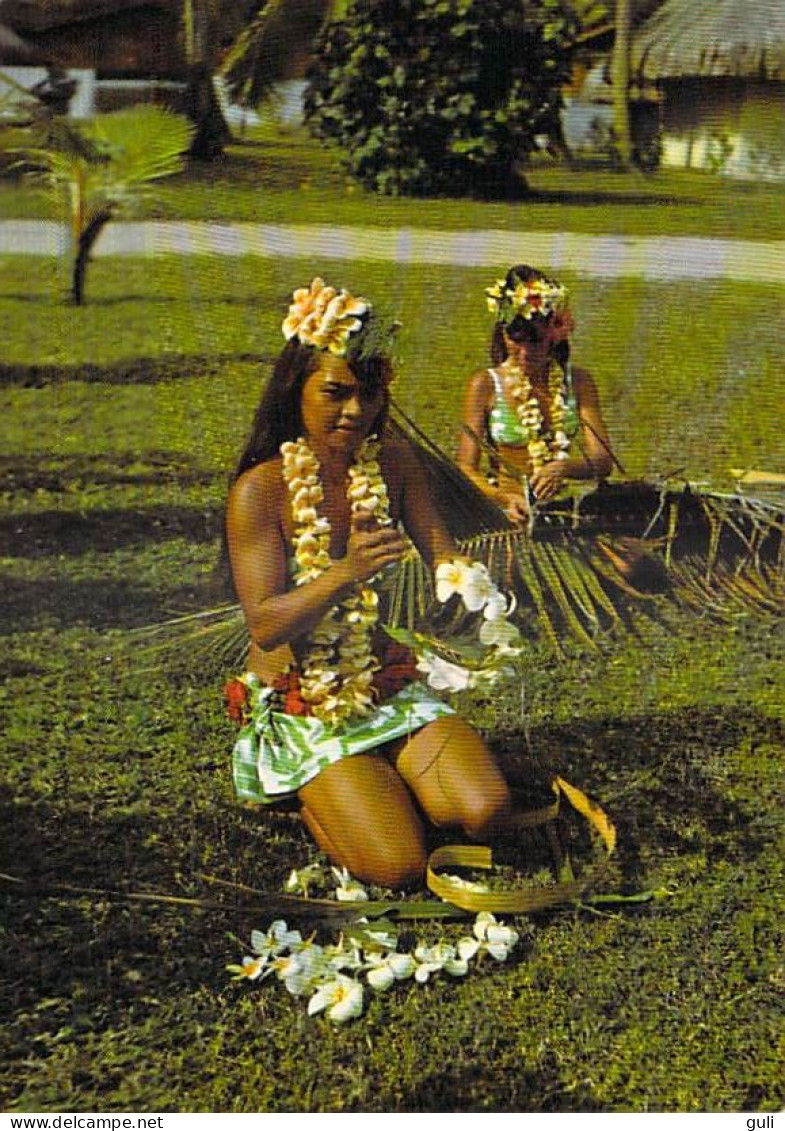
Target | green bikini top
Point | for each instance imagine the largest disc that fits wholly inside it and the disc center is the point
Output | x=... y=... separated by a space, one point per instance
x=505 y=428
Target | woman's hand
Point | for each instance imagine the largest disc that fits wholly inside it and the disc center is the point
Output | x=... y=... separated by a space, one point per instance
x=547 y=482
x=371 y=547
x=515 y=506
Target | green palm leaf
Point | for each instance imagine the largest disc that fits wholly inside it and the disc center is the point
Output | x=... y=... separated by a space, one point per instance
x=139 y=145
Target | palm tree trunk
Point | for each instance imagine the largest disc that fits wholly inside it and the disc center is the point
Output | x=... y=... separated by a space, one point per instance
x=201 y=104
x=85 y=246
x=620 y=77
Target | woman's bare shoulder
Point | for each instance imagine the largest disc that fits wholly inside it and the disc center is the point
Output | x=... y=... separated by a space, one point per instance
x=259 y=487
x=583 y=382
x=480 y=382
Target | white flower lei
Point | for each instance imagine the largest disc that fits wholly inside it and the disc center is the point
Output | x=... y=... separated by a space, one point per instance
x=338 y=665
x=541 y=449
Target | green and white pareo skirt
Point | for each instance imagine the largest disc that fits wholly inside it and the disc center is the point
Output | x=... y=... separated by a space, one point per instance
x=276 y=754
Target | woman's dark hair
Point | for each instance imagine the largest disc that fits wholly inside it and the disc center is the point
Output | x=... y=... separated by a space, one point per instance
x=278 y=417
x=526 y=329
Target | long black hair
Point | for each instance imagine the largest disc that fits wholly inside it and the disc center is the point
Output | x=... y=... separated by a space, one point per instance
x=278 y=416
x=526 y=329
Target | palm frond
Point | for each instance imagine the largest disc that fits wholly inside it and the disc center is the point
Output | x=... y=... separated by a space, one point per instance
x=141 y=143
x=263 y=52
x=584 y=566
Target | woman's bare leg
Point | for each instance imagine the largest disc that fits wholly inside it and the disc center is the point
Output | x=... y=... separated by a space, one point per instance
x=361 y=814
x=454 y=777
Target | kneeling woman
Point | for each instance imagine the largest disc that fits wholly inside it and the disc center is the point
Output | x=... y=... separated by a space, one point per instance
x=531 y=409
x=322 y=504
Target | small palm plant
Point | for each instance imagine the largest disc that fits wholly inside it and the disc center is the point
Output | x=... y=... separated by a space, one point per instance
x=103 y=166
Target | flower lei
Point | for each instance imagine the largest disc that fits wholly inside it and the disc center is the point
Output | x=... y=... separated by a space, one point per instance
x=339 y=664
x=556 y=444
x=330 y=976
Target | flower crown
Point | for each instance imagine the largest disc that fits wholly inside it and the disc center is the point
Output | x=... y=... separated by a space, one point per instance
x=325 y=318
x=525 y=299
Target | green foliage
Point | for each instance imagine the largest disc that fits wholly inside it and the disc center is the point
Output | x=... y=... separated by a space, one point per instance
x=440 y=96
x=111 y=158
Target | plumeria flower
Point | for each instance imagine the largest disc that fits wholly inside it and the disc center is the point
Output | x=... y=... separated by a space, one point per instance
x=348 y=890
x=275 y=940
x=465 y=885
x=497 y=606
x=378 y=940
x=342 y=998
x=250 y=968
x=303 y=879
x=496 y=938
x=442 y=956
x=450 y=578
x=301 y=969
x=478 y=588
x=442 y=675
x=386 y=969
x=501 y=635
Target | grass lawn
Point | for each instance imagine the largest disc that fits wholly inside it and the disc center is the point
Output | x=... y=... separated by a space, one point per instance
x=120 y=422
x=290 y=178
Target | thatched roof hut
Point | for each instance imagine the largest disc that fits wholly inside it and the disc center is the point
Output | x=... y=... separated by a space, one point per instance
x=720 y=66
x=714 y=39
x=110 y=35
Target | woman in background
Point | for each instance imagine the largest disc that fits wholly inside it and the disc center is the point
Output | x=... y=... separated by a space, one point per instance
x=539 y=416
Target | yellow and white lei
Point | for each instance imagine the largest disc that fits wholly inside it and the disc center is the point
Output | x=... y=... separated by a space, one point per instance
x=338 y=664
x=556 y=445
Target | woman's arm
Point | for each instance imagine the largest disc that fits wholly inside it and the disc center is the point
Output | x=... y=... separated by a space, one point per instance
x=596 y=444
x=419 y=515
x=470 y=453
x=596 y=461
x=258 y=551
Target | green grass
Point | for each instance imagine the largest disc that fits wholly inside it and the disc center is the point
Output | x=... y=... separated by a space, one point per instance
x=120 y=423
x=289 y=178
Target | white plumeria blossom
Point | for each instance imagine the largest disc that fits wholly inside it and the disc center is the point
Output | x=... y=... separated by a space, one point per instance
x=386 y=969
x=275 y=940
x=449 y=579
x=495 y=937
x=342 y=999
x=348 y=890
x=303 y=879
x=501 y=635
x=442 y=675
x=442 y=956
x=251 y=967
x=299 y=970
x=478 y=588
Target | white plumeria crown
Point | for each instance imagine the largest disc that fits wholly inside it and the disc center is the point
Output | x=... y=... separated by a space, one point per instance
x=324 y=317
x=525 y=298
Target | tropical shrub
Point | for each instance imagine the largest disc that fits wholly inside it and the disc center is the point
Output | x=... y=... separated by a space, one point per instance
x=440 y=96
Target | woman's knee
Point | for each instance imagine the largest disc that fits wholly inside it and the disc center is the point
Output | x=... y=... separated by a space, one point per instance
x=389 y=862
x=456 y=777
x=393 y=866
x=486 y=811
